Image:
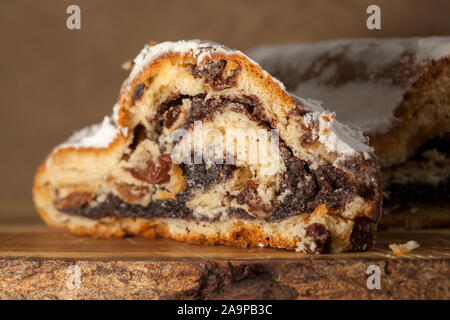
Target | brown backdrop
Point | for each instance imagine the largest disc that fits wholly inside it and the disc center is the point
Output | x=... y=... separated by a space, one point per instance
x=54 y=81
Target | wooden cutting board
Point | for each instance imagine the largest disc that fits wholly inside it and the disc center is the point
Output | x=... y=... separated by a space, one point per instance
x=40 y=262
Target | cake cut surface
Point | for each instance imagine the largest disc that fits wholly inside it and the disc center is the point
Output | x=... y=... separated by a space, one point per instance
x=205 y=146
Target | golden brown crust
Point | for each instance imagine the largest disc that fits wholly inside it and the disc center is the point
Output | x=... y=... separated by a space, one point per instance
x=240 y=234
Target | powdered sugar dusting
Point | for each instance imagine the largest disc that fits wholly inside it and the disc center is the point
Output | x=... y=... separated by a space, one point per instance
x=368 y=107
x=341 y=138
x=433 y=48
x=99 y=135
x=337 y=137
x=115 y=114
x=365 y=101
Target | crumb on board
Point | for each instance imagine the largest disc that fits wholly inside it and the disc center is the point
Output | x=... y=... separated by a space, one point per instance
x=401 y=249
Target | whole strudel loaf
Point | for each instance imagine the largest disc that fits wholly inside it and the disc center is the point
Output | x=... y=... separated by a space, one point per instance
x=397 y=91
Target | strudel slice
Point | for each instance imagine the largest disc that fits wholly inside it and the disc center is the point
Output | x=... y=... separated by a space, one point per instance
x=204 y=146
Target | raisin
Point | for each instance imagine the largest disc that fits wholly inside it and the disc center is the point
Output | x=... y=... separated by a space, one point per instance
x=154 y=173
x=171 y=116
x=74 y=200
x=362 y=237
x=320 y=236
x=138 y=91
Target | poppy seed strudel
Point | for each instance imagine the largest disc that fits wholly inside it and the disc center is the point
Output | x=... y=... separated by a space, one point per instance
x=397 y=91
x=204 y=146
